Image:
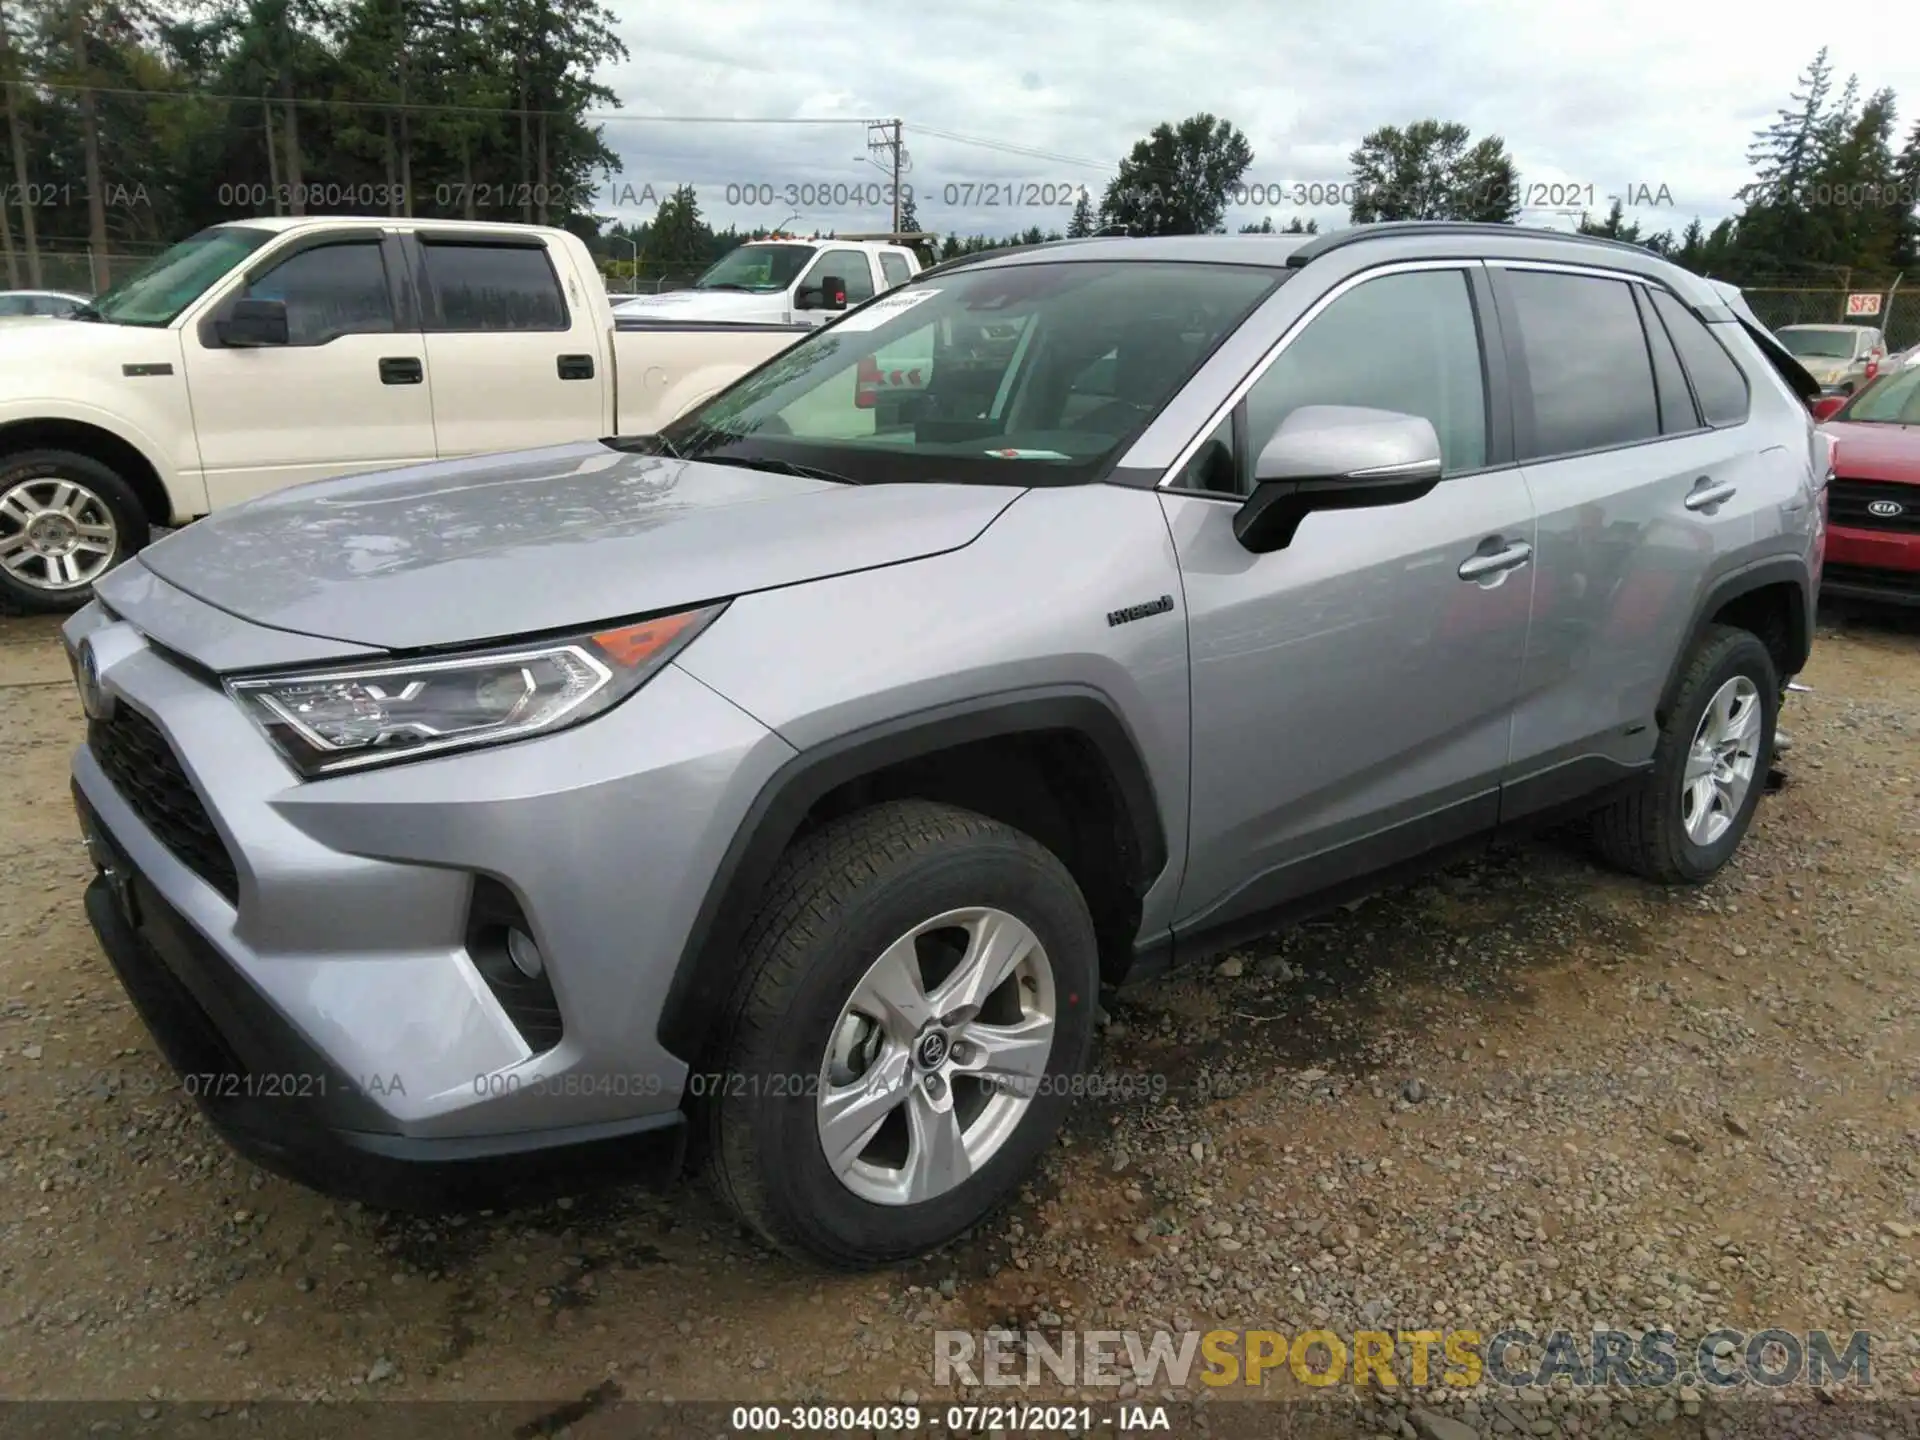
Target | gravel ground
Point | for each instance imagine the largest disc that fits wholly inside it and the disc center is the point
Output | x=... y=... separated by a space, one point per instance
x=1525 y=1093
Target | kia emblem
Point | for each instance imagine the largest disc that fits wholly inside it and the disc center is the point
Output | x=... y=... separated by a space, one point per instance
x=1886 y=509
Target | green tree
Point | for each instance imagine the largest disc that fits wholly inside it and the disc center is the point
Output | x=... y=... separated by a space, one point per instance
x=1082 y=222
x=909 y=212
x=1433 y=170
x=1176 y=181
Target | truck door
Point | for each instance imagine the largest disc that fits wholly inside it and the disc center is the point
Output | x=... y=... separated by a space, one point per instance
x=513 y=351
x=348 y=391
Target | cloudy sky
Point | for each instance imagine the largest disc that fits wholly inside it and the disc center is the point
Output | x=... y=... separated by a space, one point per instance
x=1626 y=97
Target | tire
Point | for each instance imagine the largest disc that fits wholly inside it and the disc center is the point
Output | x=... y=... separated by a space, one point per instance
x=99 y=498
x=1645 y=831
x=841 y=901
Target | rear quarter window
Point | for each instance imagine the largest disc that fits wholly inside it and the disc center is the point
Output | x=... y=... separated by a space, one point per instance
x=1719 y=384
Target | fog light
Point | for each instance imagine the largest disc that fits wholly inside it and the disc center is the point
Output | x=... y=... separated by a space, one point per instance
x=524 y=954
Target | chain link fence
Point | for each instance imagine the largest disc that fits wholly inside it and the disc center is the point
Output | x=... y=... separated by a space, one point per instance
x=75 y=270
x=1898 y=317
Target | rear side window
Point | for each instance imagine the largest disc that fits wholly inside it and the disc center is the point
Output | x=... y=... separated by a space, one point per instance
x=1588 y=368
x=894 y=268
x=1717 y=380
x=1678 y=413
x=494 y=288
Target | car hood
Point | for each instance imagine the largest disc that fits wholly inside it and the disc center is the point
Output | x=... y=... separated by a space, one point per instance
x=1866 y=450
x=719 y=306
x=465 y=551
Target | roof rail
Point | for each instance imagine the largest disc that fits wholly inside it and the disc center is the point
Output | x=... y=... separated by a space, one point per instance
x=975 y=257
x=1353 y=234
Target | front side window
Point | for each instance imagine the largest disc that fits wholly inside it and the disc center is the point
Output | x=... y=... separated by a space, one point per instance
x=1404 y=342
x=1588 y=370
x=156 y=293
x=330 y=291
x=494 y=288
x=1026 y=374
x=850 y=266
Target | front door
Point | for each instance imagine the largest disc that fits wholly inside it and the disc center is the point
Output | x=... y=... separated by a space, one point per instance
x=1352 y=693
x=349 y=390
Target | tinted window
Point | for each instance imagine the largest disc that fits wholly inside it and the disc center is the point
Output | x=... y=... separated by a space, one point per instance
x=54 y=305
x=1587 y=363
x=1678 y=413
x=851 y=266
x=1717 y=381
x=894 y=268
x=16 y=304
x=331 y=291
x=495 y=287
x=1402 y=342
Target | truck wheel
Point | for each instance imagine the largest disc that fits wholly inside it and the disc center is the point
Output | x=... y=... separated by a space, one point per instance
x=916 y=997
x=1686 y=816
x=65 y=520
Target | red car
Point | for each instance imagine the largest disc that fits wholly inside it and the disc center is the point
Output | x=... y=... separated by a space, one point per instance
x=1873 y=503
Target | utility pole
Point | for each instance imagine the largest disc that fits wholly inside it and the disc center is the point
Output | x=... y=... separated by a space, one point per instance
x=884 y=147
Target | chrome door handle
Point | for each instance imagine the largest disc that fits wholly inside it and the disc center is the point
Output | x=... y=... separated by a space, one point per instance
x=1478 y=567
x=1711 y=495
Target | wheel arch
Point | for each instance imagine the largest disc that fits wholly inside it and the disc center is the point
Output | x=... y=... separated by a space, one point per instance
x=794 y=798
x=119 y=454
x=1771 y=598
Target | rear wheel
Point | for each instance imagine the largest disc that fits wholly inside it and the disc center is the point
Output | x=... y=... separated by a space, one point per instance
x=1687 y=815
x=65 y=521
x=916 y=997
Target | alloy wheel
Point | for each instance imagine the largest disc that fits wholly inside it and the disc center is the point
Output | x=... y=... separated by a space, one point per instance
x=56 y=534
x=1721 y=761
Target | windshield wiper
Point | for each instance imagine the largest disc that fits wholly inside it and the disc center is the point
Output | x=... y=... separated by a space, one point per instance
x=781 y=467
x=722 y=285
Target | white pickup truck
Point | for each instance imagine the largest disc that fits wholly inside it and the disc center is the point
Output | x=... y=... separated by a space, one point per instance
x=778 y=281
x=265 y=353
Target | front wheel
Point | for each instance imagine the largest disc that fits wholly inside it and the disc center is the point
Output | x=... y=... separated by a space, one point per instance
x=65 y=521
x=914 y=1004
x=1685 y=817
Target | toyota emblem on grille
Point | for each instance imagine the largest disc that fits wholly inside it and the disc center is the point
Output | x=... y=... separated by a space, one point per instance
x=1886 y=509
x=94 y=698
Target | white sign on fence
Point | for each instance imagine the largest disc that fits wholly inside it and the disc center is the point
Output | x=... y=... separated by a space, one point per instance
x=1863 y=304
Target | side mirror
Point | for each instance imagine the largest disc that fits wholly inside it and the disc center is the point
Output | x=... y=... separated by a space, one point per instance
x=829 y=294
x=254 y=323
x=1335 y=457
x=1827 y=406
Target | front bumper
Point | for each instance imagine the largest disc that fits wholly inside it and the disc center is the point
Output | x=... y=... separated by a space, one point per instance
x=322 y=998
x=1874 y=565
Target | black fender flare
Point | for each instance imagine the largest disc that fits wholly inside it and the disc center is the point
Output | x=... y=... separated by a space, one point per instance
x=704 y=975
x=1789 y=569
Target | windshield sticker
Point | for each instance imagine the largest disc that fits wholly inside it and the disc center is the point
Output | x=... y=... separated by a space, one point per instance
x=1028 y=455
x=883 y=310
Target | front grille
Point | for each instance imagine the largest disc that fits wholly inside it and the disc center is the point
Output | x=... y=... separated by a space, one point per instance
x=1871 y=580
x=1850 y=502
x=143 y=768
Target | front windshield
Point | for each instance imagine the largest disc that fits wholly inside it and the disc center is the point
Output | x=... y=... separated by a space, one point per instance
x=1025 y=374
x=760 y=268
x=163 y=287
x=1818 y=344
x=1892 y=400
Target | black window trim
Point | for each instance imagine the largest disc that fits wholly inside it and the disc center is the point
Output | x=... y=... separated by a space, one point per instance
x=1649 y=318
x=259 y=265
x=1746 y=381
x=419 y=242
x=1494 y=375
x=1522 y=391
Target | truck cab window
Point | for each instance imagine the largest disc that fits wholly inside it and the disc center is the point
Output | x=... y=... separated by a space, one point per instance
x=493 y=288
x=330 y=291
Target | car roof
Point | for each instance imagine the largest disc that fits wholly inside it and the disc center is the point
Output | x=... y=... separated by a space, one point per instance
x=1391 y=240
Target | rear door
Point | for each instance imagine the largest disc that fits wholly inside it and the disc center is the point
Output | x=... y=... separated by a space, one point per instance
x=348 y=391
x=513 y=349
x=1644 y=483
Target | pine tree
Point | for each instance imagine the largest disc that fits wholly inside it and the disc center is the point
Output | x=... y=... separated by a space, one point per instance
x=1082 y=223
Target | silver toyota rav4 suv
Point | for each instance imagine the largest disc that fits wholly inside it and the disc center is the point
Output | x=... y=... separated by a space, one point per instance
x=793 y=781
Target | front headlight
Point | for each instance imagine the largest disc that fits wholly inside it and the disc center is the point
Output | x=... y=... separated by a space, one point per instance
x=355 y=716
